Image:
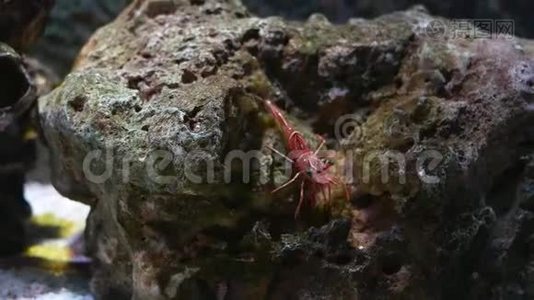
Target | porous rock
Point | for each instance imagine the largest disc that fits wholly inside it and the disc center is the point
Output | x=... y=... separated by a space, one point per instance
x=159 y=99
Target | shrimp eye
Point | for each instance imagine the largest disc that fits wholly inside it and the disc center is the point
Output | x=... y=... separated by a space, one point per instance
x=328 y=161
x=309 y=173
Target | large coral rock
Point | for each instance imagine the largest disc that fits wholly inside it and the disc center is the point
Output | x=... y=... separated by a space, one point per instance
x=160 y=99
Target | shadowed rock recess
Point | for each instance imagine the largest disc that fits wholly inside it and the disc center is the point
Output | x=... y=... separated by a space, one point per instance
x=187 y=78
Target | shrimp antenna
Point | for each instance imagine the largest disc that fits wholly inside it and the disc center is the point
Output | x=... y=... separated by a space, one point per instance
x=280 y=153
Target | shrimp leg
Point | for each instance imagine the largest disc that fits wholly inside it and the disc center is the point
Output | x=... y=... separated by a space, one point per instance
x=345 y=189
x=323 y=192
x=287 y=183
x=280 y=153
x=301 y=201
x=321 y=145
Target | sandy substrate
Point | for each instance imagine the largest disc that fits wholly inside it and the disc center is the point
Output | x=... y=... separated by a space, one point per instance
x=33 y=283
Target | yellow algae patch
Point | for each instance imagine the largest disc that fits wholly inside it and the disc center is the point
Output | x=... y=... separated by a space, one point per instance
x=54 y=251
x=50 y=252
x=30 y=134
x=66 y=228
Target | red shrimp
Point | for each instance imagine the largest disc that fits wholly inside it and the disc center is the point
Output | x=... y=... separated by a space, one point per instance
x=312 y=172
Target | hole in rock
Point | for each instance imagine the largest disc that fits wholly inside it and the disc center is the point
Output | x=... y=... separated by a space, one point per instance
x=78 y=104
x=251 y=34
x=13 y=82
x=391 y=264
x=190 y=117
x=501 y=195
x=188 y=77
x=156 y=8
x=343 y=259
x=363 y=201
